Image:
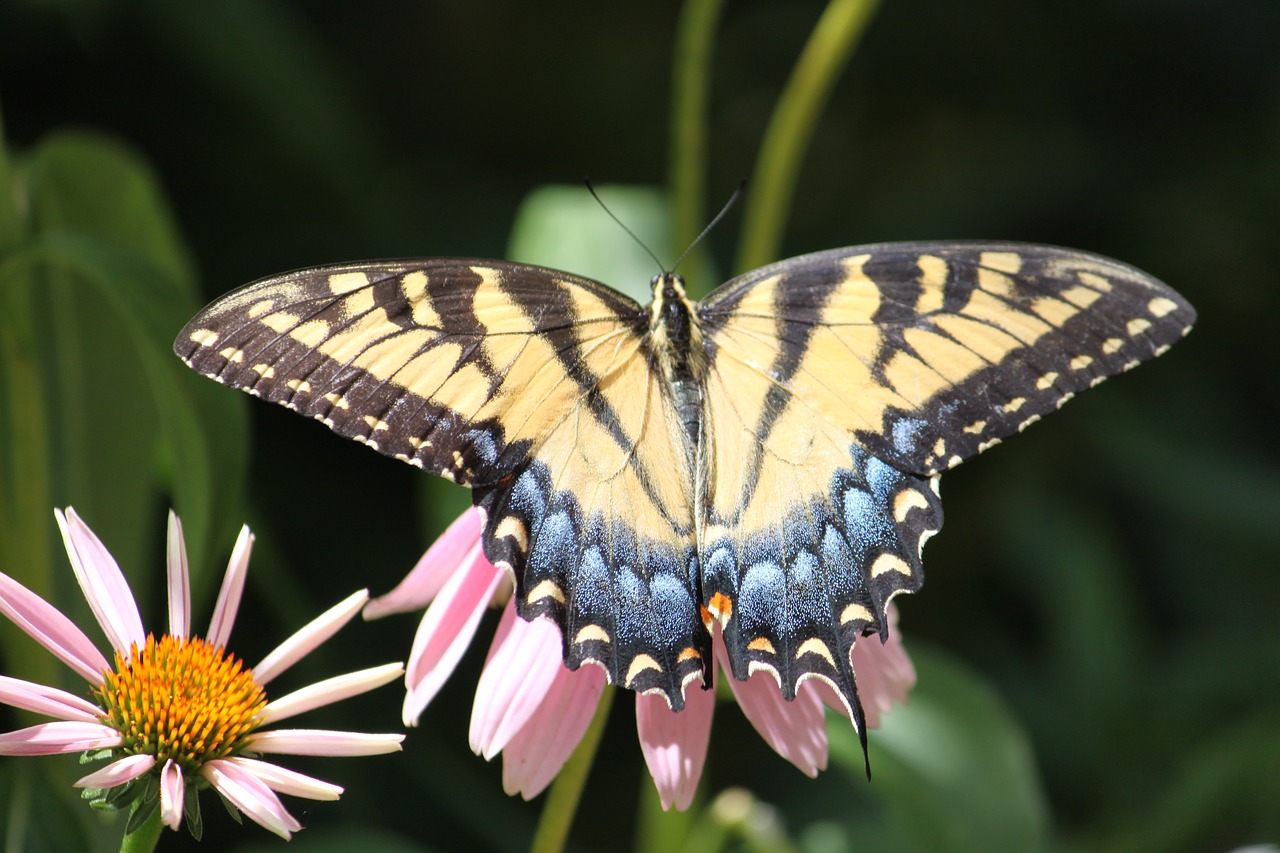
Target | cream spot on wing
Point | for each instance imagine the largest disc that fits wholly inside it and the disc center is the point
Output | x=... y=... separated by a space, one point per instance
x=1162 y=349
x=1009 y=262
x=545 y=589
x=1080 y=362
x=933 y=277
x=940 y=447
x=1063 y=400
x=233 y=355
x=1159 y=307
x=1094 y=280
x=1096 y=381
x=887 y=562
x=814 y=646
x=299 y=386
x=280 y=321
x=761 y=644
x=374 y=424
x=266 y=371
x=345 y=282
x=262 y=306
x=640 y=664
x=1137 y=326
x=311 y=333
x=1111 y=345
x=987 y=445
x=512 y=527
x=337 y=401
x=1046 y=381
x=954 y=461
x=1028 y=422
x=592 y=632
x=855 y=613
x=976 y=427
x=905 y=501
x=204 y=337
x=1014 y=404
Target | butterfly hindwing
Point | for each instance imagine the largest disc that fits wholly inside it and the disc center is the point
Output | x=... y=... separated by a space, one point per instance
x=532 y=387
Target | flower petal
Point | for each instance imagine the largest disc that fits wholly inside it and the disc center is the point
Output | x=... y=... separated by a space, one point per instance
x=309 y=637
x=330 y=690
x=224 y=612
x=675 y=744
x=172 y=789
x=179 y=580
x=456 y=550
x=523 y=663
x=797 y=730
x=289 y=782
x=102 y=582
x=321 y=742
x=445 y=632
x=535 y=753
x=47 y=626
x=117 y=772
x=884 y=671
x=54 y=738
x=49 y=701
x=250 y=795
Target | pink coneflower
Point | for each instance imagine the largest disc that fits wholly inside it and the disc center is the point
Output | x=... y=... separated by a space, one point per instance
x=534 y=710
x=177 y=713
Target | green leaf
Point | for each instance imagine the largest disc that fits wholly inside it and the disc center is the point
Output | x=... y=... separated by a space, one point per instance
x=952 y=768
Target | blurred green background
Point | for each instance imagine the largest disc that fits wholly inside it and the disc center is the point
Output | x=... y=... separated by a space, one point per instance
x=1098 y=642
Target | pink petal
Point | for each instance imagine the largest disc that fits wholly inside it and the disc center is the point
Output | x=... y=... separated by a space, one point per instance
x=288 y=781
x=675 y=744
x=329 y=691
x=535 y=753
x=250 y=795
x=224 y=612
x=179 y=580
x=54 y=738
x=172 y=790
x=797 y=730
x=457 y=549
x=118 y=772
x=47 y=626
x=309 y=637
x=444 y=634
x=102 y=582
x=49 y=701
x=523 y=662
x=884 y=671
x=322 y=742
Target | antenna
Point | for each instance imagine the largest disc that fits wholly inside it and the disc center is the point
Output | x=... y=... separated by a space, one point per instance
x=621 y=224
x=712 y=224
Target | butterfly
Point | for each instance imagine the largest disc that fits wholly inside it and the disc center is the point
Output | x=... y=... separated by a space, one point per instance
x=763 y=463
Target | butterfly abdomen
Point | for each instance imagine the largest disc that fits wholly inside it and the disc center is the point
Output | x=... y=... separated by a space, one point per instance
x=676 y=341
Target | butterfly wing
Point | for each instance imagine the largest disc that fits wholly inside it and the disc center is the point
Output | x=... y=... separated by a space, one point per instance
x=530 y=386
x=841 y=383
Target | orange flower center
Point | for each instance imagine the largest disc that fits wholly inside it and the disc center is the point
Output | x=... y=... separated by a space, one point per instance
x=181 y=698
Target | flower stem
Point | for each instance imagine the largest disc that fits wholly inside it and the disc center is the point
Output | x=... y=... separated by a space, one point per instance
x=566 y=791
x=791 y=127
x=144 y=838
x=690 y=84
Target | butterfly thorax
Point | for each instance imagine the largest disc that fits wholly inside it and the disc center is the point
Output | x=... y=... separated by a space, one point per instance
x=676 y=341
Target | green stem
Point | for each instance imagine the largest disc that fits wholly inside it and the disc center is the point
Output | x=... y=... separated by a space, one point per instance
x=144 y=838
x=566 y=791
x=791 y=127
x=690 y=87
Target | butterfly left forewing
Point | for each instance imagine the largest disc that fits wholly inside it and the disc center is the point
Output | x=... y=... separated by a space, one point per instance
x=531 y=386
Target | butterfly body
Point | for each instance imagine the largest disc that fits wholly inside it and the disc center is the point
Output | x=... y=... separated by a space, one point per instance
x=760 y=466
